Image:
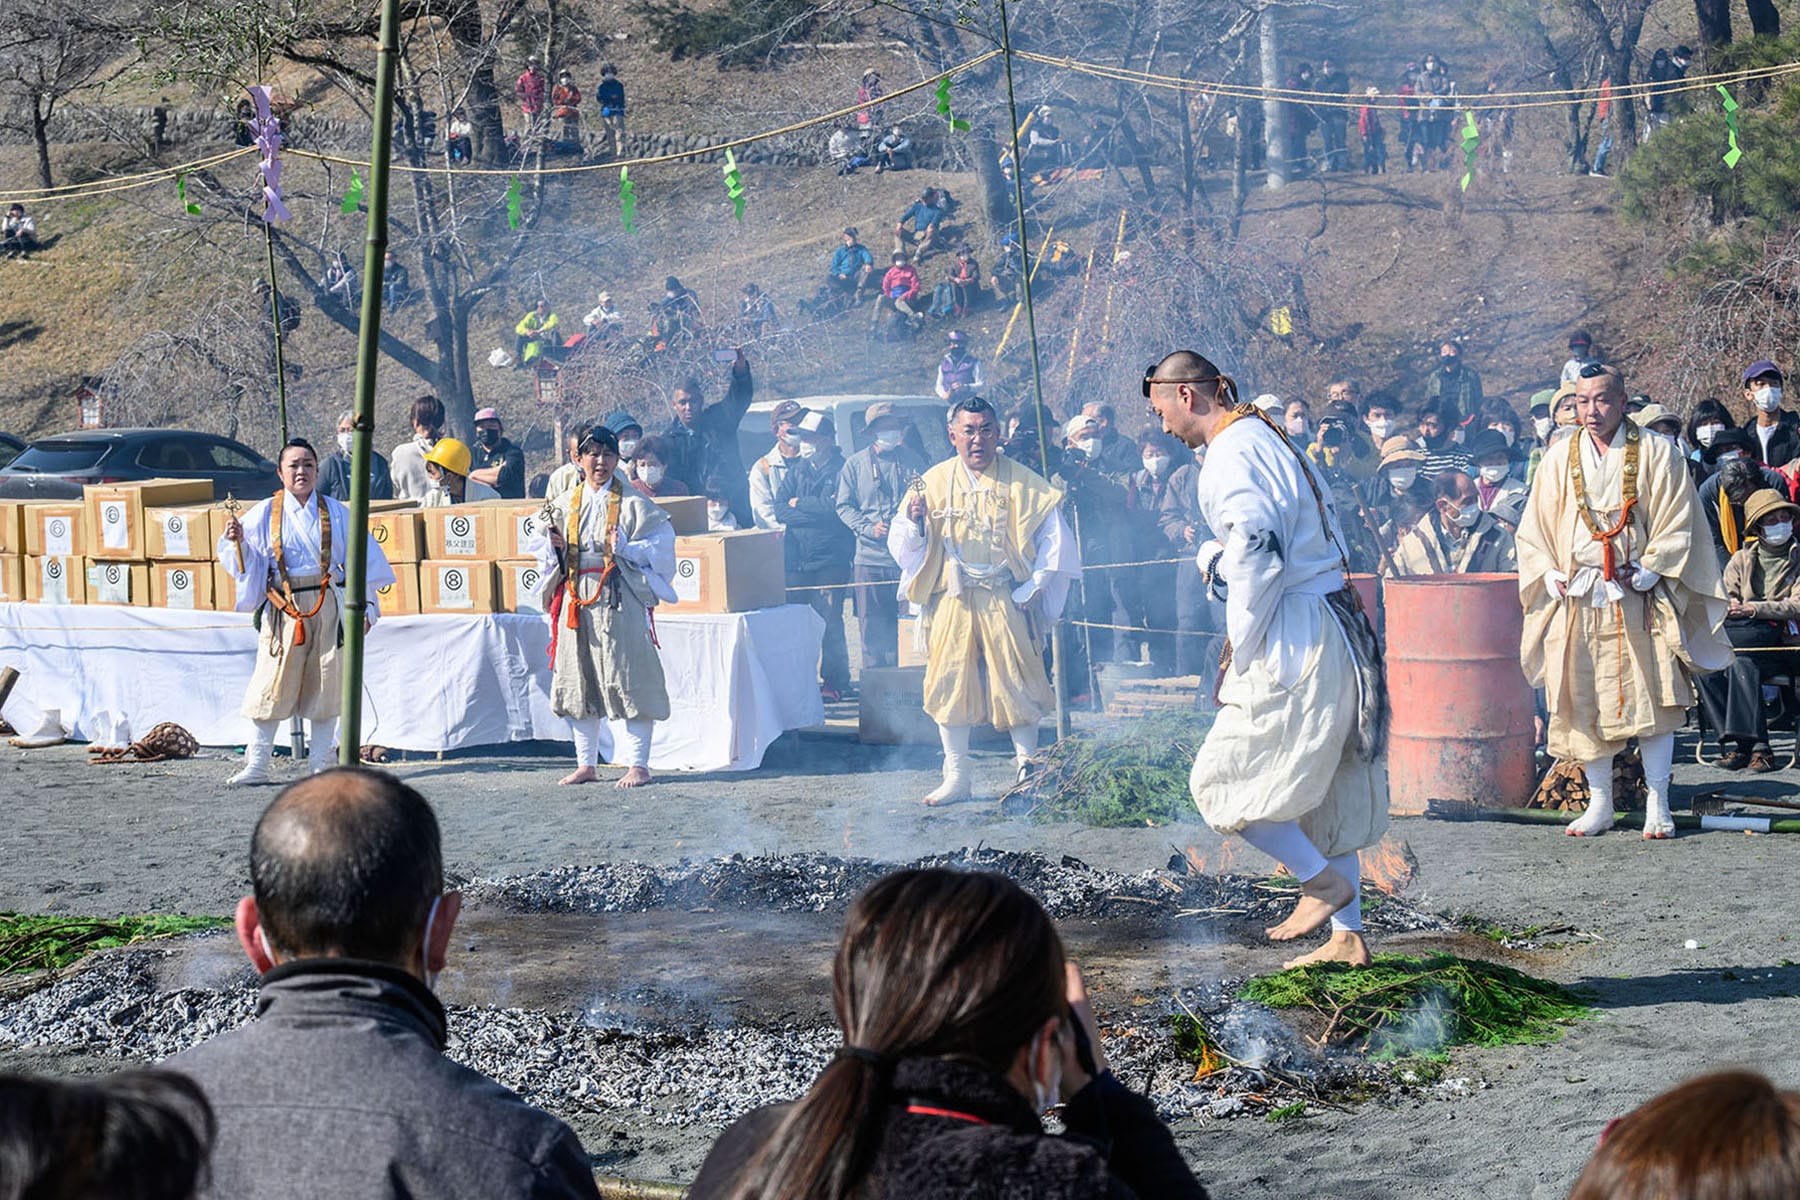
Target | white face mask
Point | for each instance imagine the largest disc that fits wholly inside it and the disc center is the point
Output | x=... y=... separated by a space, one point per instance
x=1768 y=398
x=1401 y=478
x=1493 y=473
x=1543 y=425
x=1296 y=427
x=1156 y=464
x=1706 y=433
x=1380 y=428
x=344 y=442
x=652 y=475
x=1778 y=533
x=1506 y=432
x=790 y=439
x=628 y=447
x=809 y=449
x=430 y=975
x=1456 y=436
x=888 y=439
x=1465 y=518
x=1089 y=446
x=715 y=513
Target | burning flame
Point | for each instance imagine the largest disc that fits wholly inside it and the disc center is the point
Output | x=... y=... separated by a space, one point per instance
x=1388 y=866
x=1226 y=861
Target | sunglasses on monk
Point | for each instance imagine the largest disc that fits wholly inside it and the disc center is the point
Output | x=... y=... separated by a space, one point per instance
x=1150 y=378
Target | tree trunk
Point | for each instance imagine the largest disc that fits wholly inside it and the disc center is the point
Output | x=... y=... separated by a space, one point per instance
x=995 y=190
x=1765 y=18
x=40 y=134
x=1714 y=17
x=482 y=104
x=1274 y=119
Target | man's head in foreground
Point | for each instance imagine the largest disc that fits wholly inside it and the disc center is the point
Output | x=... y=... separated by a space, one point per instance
x=348 y=864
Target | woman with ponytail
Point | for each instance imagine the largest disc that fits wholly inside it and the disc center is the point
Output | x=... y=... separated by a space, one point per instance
x=962 y=1023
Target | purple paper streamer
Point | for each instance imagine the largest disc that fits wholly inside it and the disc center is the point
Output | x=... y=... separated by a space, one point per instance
x=266 y=132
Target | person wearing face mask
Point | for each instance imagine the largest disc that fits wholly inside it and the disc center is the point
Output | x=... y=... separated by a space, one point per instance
x=767 y=472
x=1119 y=456
x=1382 y=415
x=1762 y=585
x=1709 y=419
x=1734 y=476
x=719 y=517
x=1199 y=619
x=1454 y=385
x=959 y=372
x=1097 y=509
x=1456 y=537
x=447 y=466
x=1149 y=600
x=650 y=471
x=335 y=474
x=407 y=462
x=341 y=1086
x=1398 y=495
x=818 y=545
x=870 y=489
x=497 y=462
x=963 y=1023
x=1497 y=489
x=1777 y=428
x=1296 y=418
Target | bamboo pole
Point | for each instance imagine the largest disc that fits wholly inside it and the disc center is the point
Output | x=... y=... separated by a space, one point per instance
x=1112 y=281
x=614 y=1187
x=1028 y=274
x=1452 y=810
x=1059 y=678
x=1087 y=281
x=275 y=314
x=368 y=358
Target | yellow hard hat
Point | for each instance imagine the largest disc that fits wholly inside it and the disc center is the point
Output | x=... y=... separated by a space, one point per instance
x=449 y=454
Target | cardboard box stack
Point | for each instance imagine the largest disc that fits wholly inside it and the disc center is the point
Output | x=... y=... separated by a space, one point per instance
x=152 y=543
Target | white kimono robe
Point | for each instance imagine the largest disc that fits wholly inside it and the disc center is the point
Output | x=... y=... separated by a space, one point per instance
x=1284 y=744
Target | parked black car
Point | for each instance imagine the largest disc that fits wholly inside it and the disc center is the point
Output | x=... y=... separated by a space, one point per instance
x=9 y=448
x=56 y=468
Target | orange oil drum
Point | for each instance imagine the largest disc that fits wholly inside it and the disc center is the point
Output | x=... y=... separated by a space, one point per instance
x=1463 y=713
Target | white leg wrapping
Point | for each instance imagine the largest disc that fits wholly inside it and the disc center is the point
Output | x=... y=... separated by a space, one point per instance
x=956 y=765
x=633 y=749
x=587 y=742
x=257 y=753
x=1284 y=842
x=1659 y=755
x=1599 y=816
x=321 y=748
x=1348 y=919
x=1025 y=743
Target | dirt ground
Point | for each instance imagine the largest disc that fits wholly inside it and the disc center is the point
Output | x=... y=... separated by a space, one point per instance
x=82 y=839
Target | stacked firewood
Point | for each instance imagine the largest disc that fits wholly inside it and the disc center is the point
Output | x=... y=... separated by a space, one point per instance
x=1564 y=786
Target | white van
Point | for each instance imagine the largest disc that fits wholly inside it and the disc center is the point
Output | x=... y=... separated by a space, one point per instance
x=925 y=413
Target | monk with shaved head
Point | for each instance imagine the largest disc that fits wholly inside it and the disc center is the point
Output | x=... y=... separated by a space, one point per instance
x=340 y=1086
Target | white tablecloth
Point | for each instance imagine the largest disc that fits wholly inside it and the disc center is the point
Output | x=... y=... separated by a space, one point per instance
x=736 y=680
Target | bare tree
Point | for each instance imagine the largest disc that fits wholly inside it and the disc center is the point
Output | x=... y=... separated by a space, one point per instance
x=46 y=52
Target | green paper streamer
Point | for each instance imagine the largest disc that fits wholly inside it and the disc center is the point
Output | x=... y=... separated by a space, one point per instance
x=734 y=184
x=1731 y=128
x=514 y=218
x=943 y=106
x=353 y=195
x=187 y=206
x=627 y=200
x=1471 y=142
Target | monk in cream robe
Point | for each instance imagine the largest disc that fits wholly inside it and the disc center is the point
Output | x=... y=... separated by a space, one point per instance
x=1617 y=611
x=1295 y=761
x=986 y=559
x=605 y=664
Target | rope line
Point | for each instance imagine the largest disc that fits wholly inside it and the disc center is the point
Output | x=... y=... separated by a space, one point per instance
x=1486 y=102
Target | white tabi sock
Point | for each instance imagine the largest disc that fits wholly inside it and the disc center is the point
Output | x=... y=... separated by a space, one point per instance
x=1599 y=816
x=257 y=752
x=587 y=741
x=633 y=749
x=321 y=744
x=956 y=764
x=1658 y=754
x=1025 y=741
x=1284 y=842
x=1348 y=919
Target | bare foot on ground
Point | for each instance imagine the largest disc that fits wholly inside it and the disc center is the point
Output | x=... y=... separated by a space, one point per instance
x=636 y=777
x=581 y=775
x=1320 y=896
x=1344 y=947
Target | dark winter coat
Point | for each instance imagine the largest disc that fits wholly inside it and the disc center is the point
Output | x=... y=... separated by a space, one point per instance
x=1115 y=1148
x=806 y=501
x=708 y=455
x=340 y=1087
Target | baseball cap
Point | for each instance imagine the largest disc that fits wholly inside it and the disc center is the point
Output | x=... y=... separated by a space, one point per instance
x=850 y=231
x=1079 y=425
x=486 y=414
x=881 y=410
x=1761 y=367
x=1268 y=402
x=817 y=422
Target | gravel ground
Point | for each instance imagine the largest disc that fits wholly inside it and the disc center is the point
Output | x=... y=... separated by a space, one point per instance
x=1504 y=1123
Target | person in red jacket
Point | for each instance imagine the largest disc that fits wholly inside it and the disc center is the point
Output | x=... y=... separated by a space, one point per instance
x=900 y=287
x=529 y=92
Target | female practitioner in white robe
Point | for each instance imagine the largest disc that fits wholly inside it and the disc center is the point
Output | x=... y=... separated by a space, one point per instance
x=1295 y=761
